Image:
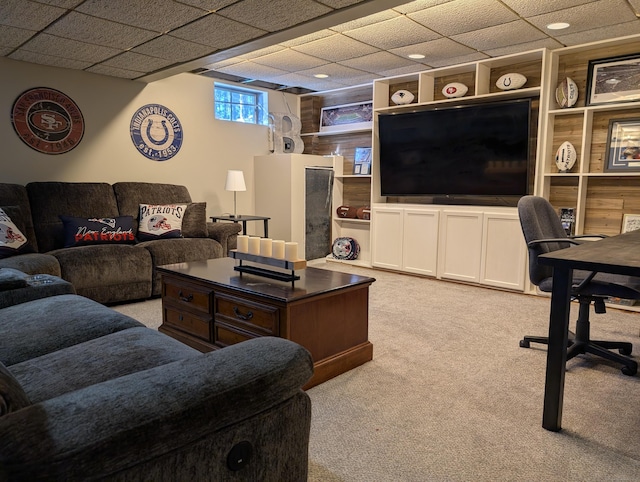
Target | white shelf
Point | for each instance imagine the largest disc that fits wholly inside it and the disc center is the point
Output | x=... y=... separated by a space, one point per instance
x=353 y=176
x=354 y=262
x=336 y=133
x=352 y=220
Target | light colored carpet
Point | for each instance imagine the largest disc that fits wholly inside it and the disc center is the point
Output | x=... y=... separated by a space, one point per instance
x=450 y=396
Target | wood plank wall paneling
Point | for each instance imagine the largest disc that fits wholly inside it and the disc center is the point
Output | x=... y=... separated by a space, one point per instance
x=600 y=132
x=357 y=192
x=311 y=105
x=563 y=192
x=576 y=66
x=531 y=70
x=342 y=144
x=310 y=114
x=567 y=128
x=466 y=78
x=410 y=86
x=608 y=200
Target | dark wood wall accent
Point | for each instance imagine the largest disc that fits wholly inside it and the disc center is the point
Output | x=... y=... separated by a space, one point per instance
x=357 y=192
x=466 y=78
x=338 y=144
x=531 y=70
x=608 y=199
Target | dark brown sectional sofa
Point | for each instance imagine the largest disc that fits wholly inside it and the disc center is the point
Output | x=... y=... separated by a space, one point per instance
x=113 y=272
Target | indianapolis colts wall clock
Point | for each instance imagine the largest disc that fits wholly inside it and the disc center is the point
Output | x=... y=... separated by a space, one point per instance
x=47 y=120
x=156 y=132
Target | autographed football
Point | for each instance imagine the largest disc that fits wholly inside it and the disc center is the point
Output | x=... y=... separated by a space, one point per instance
x=402 y=97
x=511 y=81
x=347 y=212
x=566 y=156
x=567 y=93
x=454 y=89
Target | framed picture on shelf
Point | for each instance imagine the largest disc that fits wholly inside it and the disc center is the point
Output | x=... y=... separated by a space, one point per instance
x=630 y=222
x=347 y=117
x=568 y=220
x=622 y=152
x=616 y=79
x=362 y=161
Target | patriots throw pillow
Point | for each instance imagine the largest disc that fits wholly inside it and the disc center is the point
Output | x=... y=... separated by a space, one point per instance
x=160 y=221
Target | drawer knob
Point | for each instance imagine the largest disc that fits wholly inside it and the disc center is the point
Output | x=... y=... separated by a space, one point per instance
x=187 y=298
x=246 y=317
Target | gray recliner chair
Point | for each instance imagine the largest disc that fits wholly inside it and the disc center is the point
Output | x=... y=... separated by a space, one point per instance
x=544 y=233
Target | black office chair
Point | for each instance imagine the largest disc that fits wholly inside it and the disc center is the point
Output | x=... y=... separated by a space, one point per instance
x=544 y=233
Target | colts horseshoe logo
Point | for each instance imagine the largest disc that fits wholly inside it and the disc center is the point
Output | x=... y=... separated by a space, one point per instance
x=156 y=132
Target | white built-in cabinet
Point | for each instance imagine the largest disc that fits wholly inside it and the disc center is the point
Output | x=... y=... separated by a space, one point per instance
x=478 y=245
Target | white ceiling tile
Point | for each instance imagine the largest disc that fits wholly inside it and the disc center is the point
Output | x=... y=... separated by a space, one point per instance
x=419 y=5
x=336 y=72
x=336 y=48
x=209 y=5
x=174 y=49
x=78 y=26
x=529 y=8
x=364 y=21
x=308 y=38
x=463 y=59
x=611 y=31
x=27 y=14
x=394 y=33
x=462 y=16
x=62 y=3
x=500 y=36
x=409 y=69
x=378 y=62
x=157 y=15
x=44 y=59
x=636 y=5
x=13 y=37
x=259 y=53
x=587 y=17
x=339 y=3
x=114 y=71
x=69 y=49
x=218 y=32
x=4 y=51
x=223 y=63
x=251 y=70
x=297 y=80
x=290 y=60
x=435 y=50
x=548 y=43
x=274 y=15
x=135 y=61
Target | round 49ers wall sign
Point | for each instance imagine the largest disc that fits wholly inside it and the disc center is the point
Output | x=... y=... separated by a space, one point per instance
x=156 y=132
x=47 y=120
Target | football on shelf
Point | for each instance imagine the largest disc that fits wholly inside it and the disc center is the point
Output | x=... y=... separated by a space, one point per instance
x=402 y=97
x=347 y=212
x=511 y=81
x=567 y=93
x=454 y=89
x=566 y=156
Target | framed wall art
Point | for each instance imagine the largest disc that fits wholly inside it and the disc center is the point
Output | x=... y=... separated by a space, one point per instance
x=622 y=152
x=346 y=117
x=616 y=79
x=362 y=161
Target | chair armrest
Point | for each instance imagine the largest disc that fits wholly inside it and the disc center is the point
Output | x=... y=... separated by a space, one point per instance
x=225 y=234
x=536 y=242
x=115 y=425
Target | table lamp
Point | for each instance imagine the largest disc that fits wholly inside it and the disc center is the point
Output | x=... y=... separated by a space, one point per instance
x=235 y=183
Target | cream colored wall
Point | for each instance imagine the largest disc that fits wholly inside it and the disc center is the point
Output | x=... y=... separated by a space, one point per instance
x=106 y=153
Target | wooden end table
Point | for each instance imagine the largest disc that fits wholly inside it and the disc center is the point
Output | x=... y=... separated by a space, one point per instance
x=208 y=305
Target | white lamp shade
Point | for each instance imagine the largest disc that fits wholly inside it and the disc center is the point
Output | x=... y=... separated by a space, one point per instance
x=235 y=181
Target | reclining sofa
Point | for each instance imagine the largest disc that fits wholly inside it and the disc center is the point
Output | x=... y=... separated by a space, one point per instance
x=87 y=393
x=110 y=272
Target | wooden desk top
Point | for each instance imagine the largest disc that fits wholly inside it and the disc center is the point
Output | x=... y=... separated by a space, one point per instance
x=312 y=282
x=616 y=254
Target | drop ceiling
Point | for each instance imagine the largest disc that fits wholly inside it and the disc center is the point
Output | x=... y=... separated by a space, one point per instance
x=284 y=43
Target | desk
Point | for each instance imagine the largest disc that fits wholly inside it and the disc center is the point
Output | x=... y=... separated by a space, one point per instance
x=243 y=218
x=617 y=255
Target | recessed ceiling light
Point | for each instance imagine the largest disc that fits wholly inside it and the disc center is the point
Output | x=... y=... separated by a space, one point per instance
x=415 y=56
x=558 y=26
x=321 y=76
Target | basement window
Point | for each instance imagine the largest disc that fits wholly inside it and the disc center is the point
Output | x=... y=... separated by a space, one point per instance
x=239 y=104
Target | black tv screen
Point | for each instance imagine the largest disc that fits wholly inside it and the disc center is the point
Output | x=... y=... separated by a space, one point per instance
x=473 y=150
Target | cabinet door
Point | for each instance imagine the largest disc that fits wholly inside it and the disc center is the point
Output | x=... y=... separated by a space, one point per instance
x=420 y=241
x=503 y=252
x=460 y=245
x=386 y=248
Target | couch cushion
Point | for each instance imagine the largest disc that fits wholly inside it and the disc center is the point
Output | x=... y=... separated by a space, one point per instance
x=194 y=224
x=86 y=231
x=42 y=326
x=160 y=221
x=82 y=199
x=12 y=395
x=33 y=263
x=119 y=354
x=11 y=279
x=16 y=195
x=12 y=239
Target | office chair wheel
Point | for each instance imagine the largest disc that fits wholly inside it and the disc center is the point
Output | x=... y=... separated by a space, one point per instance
x=629 y=371
x=525 y=344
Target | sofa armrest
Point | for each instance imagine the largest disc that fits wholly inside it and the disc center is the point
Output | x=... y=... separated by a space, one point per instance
x=114 y=426
x=225 y=233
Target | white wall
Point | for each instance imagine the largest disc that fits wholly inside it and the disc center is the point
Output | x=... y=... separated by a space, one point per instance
x=106 y=153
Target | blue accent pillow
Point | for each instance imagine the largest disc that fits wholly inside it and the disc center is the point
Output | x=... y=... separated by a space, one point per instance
x=87 y=231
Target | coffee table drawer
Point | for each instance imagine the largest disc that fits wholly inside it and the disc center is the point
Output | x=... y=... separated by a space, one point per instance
x=190 y=296
x=187 y=323
x=254 y=317
x=227 y=335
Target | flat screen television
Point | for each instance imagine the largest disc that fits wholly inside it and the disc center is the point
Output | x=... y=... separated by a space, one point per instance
x=457 y=153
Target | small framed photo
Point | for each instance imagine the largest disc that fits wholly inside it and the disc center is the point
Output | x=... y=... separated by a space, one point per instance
x=362 y=161
x=623 y=146
x=616 y=79
x=630 y=222
x=347 y=117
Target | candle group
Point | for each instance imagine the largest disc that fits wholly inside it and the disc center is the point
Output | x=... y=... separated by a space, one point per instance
x=267 y=247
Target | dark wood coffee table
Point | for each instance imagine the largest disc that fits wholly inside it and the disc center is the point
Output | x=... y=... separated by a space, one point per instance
x=208 y=305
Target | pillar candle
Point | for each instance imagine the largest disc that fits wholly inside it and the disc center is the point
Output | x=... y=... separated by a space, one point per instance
x=254 y=245
x=243 y=243
x=291 y=251
x=265 y=247
x=277 y=249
